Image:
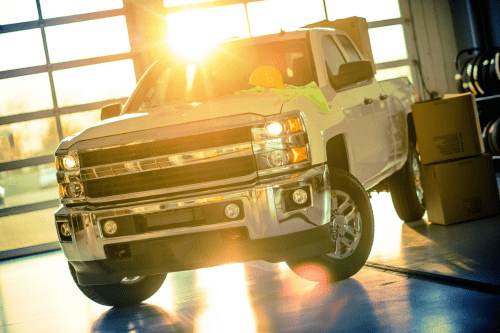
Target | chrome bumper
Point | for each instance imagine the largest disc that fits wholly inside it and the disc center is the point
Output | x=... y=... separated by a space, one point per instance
x=266 y=215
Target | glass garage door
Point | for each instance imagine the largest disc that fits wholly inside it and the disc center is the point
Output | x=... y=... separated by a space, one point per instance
x=61 y=61
x=67 y=59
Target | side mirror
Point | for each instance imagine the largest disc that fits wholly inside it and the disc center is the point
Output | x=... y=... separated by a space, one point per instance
x=351 y=73
x=110 y=111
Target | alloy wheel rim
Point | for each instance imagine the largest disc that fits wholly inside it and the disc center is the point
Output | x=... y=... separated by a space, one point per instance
x=418 y=183
x=346 y=225
x=132 y=279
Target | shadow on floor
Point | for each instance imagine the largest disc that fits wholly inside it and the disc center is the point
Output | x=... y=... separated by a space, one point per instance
x=467 y=250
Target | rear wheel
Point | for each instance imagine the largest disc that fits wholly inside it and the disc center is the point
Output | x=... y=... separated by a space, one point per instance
x=351 y=230
x=406 y=189
x=131 y=290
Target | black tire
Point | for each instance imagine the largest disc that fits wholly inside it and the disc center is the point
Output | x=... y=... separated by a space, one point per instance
x=485 y=135
x=406 y=188
x=352 y=237
x=121 y=294
x=494 y=137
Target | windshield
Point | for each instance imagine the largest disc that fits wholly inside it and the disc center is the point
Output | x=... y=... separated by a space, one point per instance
x=223 y=72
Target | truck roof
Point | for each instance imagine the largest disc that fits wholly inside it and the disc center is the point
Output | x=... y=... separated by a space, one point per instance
x=276 y=37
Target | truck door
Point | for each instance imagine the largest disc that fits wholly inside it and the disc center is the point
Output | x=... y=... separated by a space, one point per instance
x=361 y=109
x=384 y=117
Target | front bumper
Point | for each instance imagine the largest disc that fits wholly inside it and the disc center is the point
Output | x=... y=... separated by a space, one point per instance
x=269 y=228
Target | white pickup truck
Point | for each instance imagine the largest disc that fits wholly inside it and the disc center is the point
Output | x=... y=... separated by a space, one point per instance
x=262 y=148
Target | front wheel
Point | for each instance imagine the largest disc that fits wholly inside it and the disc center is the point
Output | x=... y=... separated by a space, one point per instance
x=406 y=189
x=351 y=233
x=129 y=291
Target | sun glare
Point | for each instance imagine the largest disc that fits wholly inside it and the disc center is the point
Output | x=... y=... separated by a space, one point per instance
x=228 y=307
x=194 y=30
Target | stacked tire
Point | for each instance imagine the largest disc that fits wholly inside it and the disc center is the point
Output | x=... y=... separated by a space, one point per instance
x=491 y=137
x=478 y=71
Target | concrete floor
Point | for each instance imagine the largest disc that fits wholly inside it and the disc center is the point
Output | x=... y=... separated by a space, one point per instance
x=37 y=293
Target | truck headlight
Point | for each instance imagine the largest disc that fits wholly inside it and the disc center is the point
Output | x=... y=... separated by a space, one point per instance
x=280 y=144
x=71 y=190
x=68 y=177
x=274 y=129
x=278 y=158
x=278 y=127
x=67 y=162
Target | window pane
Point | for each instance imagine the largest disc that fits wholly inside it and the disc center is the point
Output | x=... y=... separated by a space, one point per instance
x=371 y=10
x=25 y=94
x=28 y=139
x=172 y=3
x=28 y=229
x=94 y=83
x=388 y=43
x=29 y=185
x=25 y=49
x=206 y=26
x=391 y=73
x=267 y=17
x=333 y=57
x=17 y=11
x=75 y=122
x=58 y=8
x=349 y=48
x=87 y=39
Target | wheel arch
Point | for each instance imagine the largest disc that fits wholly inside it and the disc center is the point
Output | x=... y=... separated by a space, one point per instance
x=412 y=135
x=336 y=153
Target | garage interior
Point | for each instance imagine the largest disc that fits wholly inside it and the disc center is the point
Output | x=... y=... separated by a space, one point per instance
x=63 y=61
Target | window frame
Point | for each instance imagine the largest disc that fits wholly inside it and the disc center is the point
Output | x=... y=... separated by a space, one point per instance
x=56 y=111
x=139 y=61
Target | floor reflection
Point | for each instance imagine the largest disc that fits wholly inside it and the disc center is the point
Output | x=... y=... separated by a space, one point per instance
x=37 y=293
x=226 y=304
x=137 y=319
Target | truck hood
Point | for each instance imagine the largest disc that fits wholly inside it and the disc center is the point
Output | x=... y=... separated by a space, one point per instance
x=264 y=104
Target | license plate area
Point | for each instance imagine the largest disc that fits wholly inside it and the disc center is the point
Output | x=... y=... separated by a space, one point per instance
x=176 y=218
x=189 y=217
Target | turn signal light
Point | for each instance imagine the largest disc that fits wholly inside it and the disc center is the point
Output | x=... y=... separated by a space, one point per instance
x=298 y=154
x=294 y=124
x=63 y=192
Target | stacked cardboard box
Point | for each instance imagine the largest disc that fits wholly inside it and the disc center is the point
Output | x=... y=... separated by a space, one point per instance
x=458 y=178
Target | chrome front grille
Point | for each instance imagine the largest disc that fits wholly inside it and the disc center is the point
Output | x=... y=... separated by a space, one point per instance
x=170 y=166
x=172 y=177
x=165 y=147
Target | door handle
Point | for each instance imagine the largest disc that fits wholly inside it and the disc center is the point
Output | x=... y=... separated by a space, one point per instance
x=383 y=97
x=368 y=101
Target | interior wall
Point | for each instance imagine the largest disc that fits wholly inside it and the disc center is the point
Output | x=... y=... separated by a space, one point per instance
x=476 y=23
x=429 y=26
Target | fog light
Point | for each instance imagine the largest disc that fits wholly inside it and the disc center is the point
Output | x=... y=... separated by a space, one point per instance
x=109 y=228
x=299 y=196
x=232 y=211
x=65 y=229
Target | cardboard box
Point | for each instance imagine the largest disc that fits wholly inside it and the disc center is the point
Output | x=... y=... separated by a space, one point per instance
x=448 y=128
x=460 y=190
x=357 y=28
